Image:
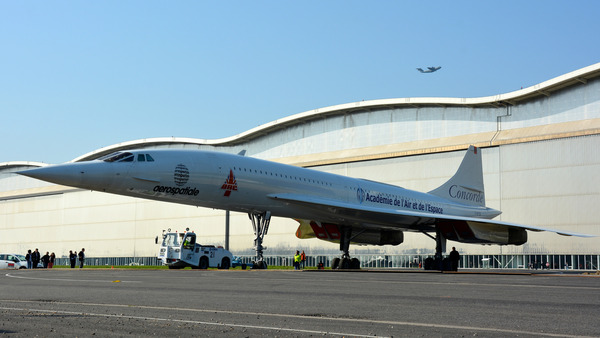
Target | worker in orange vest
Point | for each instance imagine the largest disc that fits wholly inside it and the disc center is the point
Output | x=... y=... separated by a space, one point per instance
x=302 y=259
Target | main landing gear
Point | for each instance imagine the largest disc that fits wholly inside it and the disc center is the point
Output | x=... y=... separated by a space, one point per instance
x=345 y=262
x=436 y=263
x=260 y=225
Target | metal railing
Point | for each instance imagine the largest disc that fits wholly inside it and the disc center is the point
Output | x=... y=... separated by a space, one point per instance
x=547 y=261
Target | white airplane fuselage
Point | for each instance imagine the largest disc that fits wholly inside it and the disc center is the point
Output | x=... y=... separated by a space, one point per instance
x=329 y=207
x=203 y=178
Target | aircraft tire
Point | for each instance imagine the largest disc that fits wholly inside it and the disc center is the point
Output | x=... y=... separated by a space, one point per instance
x=260 y=265
x=335 y=263
x=225 y=263
x=429 y=263
x=345 y=264
x=354 y=264
x=203 y=264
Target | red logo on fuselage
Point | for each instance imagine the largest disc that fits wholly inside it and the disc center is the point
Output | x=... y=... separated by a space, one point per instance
x=230 y=184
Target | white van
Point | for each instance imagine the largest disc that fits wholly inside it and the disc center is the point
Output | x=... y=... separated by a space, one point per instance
x=12 y=261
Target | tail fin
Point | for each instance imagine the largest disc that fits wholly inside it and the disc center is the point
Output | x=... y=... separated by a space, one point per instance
x=466 y=186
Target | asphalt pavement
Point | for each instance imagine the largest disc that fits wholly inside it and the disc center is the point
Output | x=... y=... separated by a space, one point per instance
x=112 y=302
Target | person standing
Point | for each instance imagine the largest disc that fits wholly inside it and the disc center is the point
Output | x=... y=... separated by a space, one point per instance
x=81 y=258
x=297 y=260
x=72 y=258
x=46 y=260
x=52 y=259
x=29 y=259
x=302 y=259
x=454 y=258
x=36 y=258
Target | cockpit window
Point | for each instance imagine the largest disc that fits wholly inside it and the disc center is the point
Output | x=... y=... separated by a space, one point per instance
x=119 y=157
x=126 y=157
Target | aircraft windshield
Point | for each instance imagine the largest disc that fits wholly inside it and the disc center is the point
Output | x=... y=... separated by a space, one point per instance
x=119 y=157
x=126 y=157
x=171 y=240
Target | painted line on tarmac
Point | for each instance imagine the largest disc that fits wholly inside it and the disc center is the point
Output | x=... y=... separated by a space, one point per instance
x=424 y=282
x=72 y=280
x=292 y=316
x=272 y=328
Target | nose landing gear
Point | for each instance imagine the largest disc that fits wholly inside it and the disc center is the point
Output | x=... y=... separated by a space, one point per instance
x=260 y=225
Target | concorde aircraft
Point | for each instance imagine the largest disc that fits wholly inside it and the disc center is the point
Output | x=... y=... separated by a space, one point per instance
x=329 y=207
x=429 y=69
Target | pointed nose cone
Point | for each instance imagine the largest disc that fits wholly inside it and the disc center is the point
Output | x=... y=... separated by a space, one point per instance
x=64 y=174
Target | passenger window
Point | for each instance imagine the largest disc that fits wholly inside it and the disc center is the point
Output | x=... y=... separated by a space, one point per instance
x=149 y=158
x=141 y=158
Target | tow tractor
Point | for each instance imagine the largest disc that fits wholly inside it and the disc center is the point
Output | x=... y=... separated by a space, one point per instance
x=180 y=249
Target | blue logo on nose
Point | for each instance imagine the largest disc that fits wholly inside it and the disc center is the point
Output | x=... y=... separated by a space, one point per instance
x=360 y=195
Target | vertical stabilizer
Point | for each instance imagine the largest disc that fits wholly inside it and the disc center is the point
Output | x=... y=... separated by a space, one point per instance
x=466 y=186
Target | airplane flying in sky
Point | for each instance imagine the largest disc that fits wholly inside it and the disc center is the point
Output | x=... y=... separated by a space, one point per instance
x=429 y=69
x=329 y=207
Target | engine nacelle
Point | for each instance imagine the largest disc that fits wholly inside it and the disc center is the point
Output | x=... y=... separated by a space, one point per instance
x=483 y=233
x=379 y=237
x=331 y=233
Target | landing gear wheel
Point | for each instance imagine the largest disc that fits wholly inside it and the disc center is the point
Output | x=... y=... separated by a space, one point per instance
x=260 y=265
x=345 y=264
x=335 y=263
x=225 y=263
x=429 y=263
x=203 y=263
x=354 y=264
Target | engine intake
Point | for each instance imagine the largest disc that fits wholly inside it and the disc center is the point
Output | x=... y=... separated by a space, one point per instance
x=331 y=233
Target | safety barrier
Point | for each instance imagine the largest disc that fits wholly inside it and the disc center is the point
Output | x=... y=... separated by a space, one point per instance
x=562 y=262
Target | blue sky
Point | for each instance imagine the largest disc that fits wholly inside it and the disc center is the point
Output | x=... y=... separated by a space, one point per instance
x=78 y=76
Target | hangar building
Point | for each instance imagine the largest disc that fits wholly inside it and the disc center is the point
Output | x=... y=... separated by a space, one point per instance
x=541 y=161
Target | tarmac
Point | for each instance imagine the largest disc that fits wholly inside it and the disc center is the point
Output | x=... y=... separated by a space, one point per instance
x=275 y=303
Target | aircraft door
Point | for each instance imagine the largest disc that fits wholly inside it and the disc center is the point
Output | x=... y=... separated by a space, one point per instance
x=214 y=174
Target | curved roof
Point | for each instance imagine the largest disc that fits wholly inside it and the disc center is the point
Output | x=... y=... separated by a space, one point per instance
x=545 y=88
x=19 y=164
